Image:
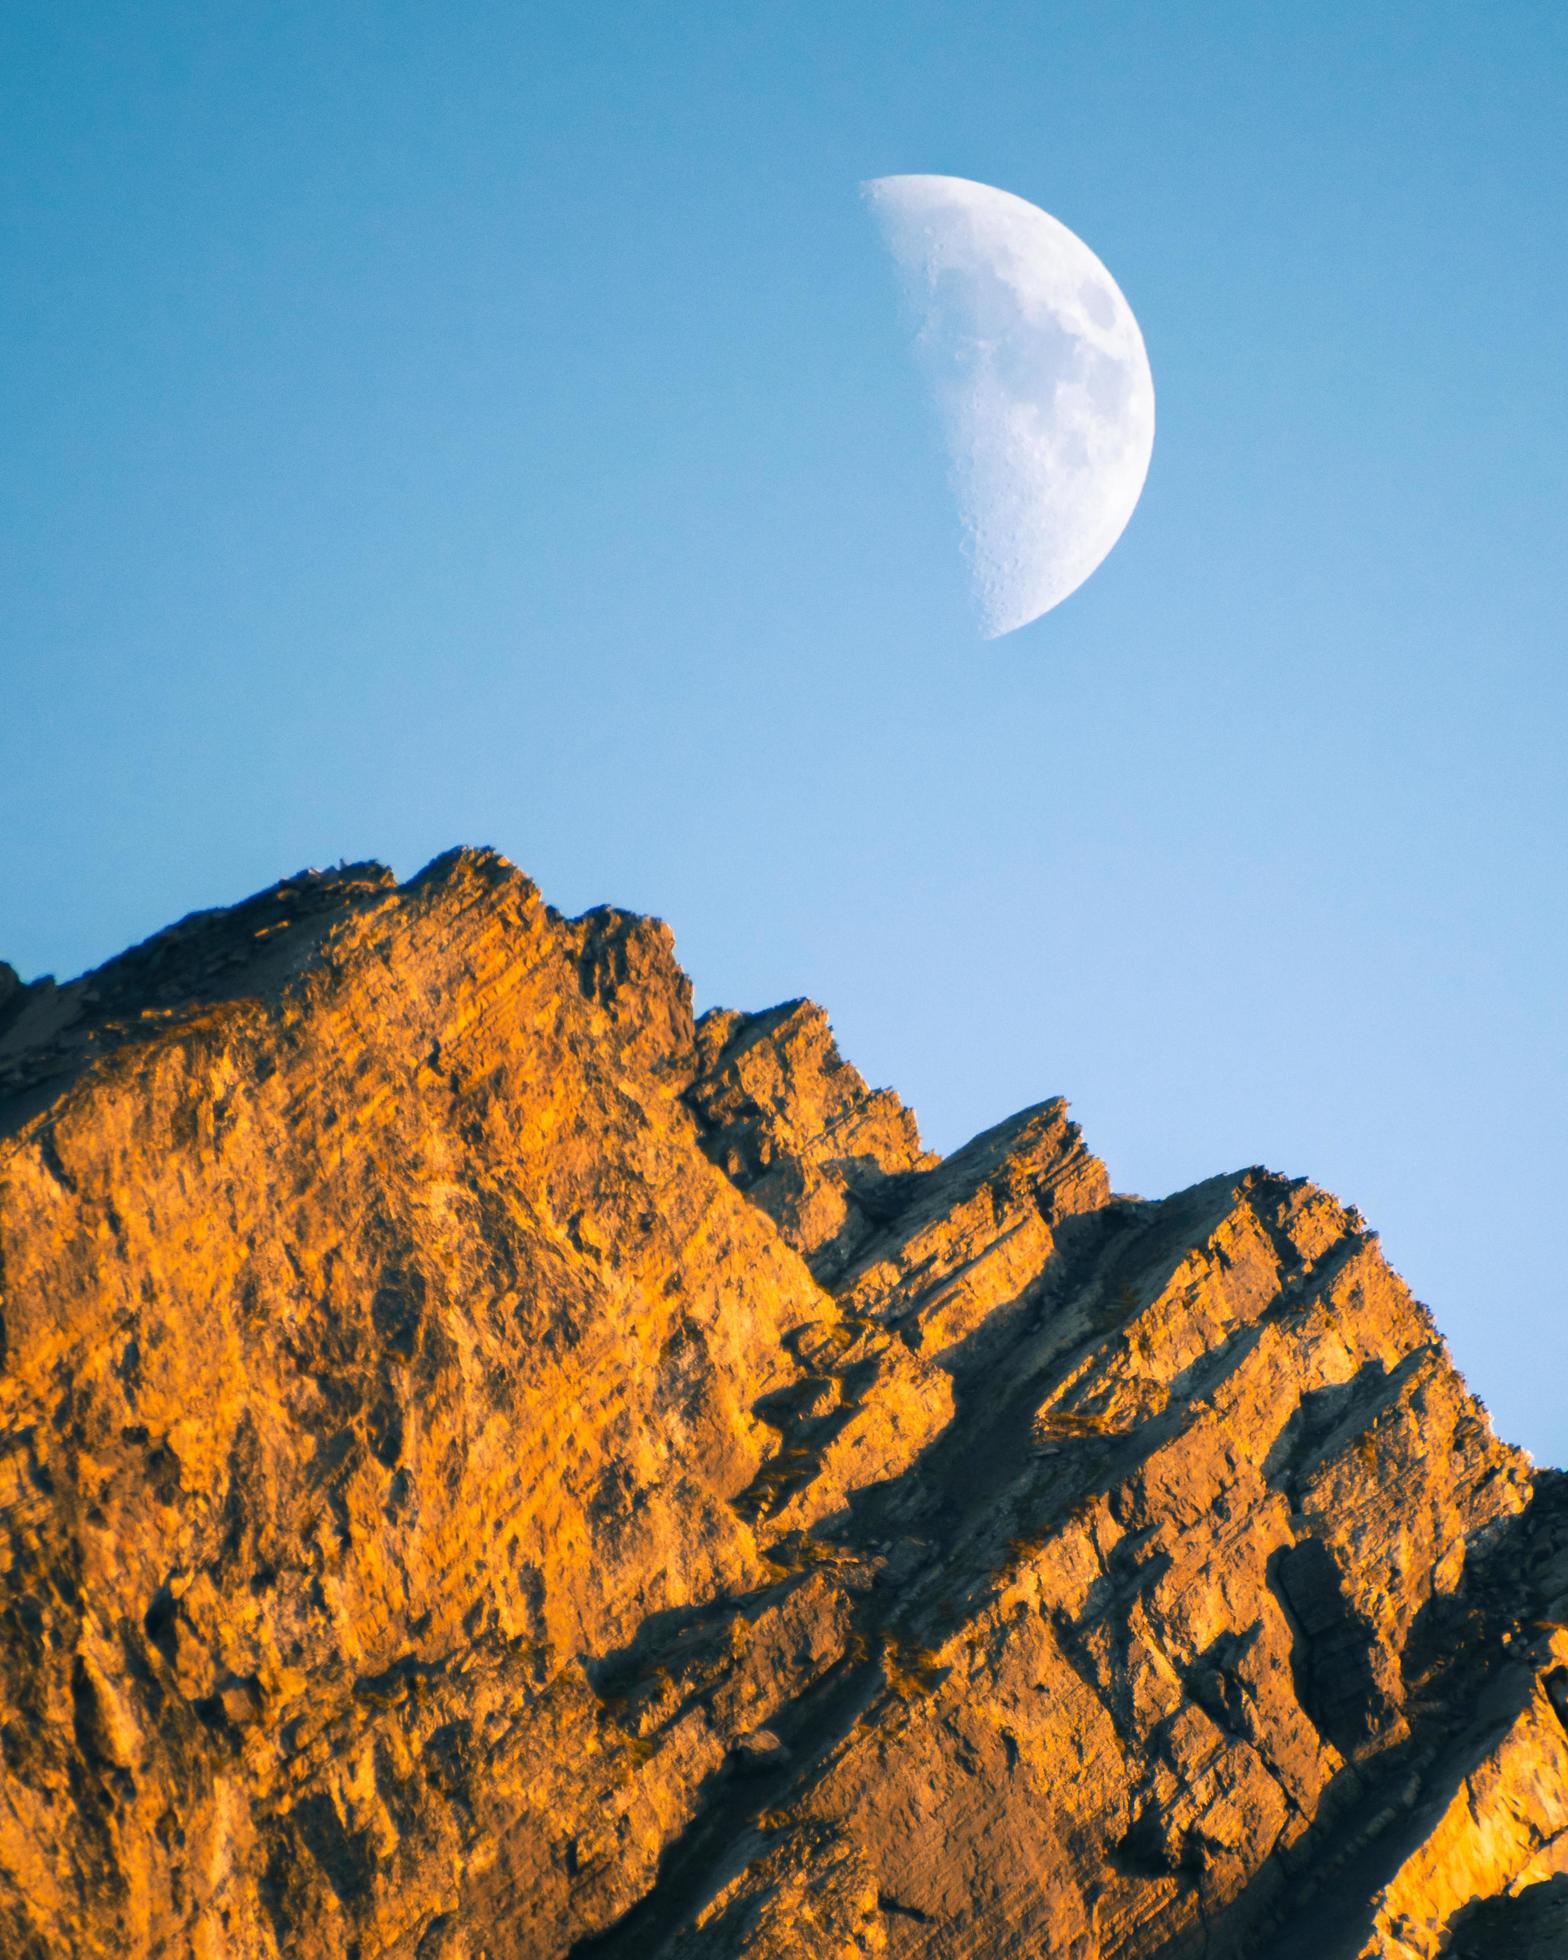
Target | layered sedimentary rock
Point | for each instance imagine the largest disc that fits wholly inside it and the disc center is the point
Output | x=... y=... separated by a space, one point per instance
x=491 y=1466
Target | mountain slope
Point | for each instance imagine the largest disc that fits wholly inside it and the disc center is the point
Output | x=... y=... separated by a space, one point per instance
x=491 y=1466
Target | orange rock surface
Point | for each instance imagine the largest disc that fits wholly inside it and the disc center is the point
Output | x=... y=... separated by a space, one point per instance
x=493 y=1468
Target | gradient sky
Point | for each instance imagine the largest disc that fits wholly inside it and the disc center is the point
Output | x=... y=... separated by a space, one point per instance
x=494 y=423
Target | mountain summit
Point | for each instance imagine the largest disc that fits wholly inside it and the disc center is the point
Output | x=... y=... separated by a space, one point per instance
x=494 y=1467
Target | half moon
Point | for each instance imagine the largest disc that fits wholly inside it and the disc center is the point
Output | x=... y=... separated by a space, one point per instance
x=1041 y=380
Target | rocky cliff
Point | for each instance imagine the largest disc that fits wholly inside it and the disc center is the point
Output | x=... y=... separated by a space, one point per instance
x=491 y=1467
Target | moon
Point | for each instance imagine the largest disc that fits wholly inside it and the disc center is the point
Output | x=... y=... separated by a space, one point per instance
x=1040 y=379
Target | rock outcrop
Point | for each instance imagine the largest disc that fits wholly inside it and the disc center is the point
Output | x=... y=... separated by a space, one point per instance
x=492 y=1467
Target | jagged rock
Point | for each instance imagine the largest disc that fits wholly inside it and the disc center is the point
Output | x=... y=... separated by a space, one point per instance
x=1531 y=1924
x=798 y=1131
x=759 y=1749
x=490 y=1465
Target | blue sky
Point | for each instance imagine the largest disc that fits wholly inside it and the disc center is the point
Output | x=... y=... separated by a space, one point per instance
x=494 y=424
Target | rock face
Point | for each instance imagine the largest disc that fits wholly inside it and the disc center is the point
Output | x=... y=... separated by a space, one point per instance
x=493 y=1468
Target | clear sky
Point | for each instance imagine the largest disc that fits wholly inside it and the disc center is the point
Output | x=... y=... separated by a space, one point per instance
x=493 y=423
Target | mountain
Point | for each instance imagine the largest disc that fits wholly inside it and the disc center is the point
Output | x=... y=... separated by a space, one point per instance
x=492 y=1467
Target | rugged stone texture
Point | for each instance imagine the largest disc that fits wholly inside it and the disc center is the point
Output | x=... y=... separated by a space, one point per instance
x=1528 y=1925
x=490 y=1467
x=799 y=1132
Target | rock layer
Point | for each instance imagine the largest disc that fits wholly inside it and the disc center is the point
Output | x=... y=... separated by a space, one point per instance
x=491 y=1466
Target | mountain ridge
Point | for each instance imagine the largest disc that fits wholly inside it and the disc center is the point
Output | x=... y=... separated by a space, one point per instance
x=496 y=1464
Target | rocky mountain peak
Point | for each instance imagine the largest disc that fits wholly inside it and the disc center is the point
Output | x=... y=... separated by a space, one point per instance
x=492 y=1464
